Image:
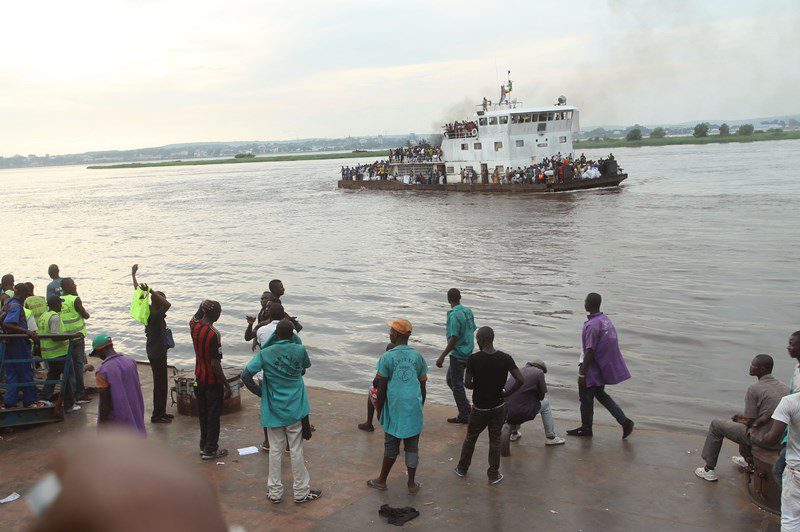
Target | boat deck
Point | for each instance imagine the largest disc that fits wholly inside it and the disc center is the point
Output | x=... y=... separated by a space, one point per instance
x=574 y=184
x=604 y=483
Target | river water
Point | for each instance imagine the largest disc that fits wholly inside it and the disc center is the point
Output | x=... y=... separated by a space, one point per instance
x=695 y=257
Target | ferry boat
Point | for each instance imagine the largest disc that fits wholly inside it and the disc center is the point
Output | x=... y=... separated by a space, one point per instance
x=477 y=155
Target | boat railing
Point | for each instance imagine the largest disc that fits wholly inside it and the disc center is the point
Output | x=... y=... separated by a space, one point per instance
x=463 y=134
x=480 y=110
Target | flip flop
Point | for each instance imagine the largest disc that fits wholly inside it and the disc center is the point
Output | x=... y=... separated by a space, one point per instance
x=372 y=484
x=415 y=489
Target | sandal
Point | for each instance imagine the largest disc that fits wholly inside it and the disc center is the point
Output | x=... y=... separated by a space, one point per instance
x=374 y=485
x=415 y=488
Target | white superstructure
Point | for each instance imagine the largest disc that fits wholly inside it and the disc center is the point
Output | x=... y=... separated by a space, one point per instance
x=509 y=135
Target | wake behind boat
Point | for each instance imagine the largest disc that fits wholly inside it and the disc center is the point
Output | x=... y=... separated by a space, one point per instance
x=505 y=147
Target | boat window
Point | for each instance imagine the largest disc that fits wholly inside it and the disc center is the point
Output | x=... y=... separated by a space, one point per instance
x=542 y=145
x=538 y=117
x=526 y=118
x=542 y=126
x=498 y=146
x=492 y=120
x=551 y=117
x=515 y=119
x=569 y=115
x=482 y=121
x=451 y=170
x=477 y=146
x=465 y=146
x=562 y=140
x=520 y=143
x=504 y=119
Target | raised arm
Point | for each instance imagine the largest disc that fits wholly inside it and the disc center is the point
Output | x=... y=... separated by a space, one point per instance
x=134 y=269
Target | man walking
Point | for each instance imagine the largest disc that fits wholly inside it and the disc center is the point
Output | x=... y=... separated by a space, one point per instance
x=759 y=404
x=157 y=345
x=601 y=363
x=486 y=374
x=529 y=401
x=121 y=403
x=284 y=404
x=401 y=375
x=460 y=329
x=211 y=387
x=73 y=317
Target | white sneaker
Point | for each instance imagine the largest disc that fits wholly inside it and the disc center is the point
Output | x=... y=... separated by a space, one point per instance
x=74 y=408
x=558 y=440
x=706 y=475
x=740 y=461
x=515 y=436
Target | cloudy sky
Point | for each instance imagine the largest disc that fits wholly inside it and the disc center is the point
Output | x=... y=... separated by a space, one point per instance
x=116 y=74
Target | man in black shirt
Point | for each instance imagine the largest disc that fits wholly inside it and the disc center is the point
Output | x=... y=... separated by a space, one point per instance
x=487 y=371
x=156 y=347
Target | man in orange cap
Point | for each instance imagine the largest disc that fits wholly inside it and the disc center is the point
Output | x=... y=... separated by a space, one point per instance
x=401 y=377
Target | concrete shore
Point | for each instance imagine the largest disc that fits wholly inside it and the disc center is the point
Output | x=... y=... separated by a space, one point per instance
x=602 y=483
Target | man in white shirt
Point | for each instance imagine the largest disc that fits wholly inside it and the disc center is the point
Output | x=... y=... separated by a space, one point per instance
x=787 y=414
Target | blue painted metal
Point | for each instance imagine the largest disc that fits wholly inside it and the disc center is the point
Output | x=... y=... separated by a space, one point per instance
x=12 y=417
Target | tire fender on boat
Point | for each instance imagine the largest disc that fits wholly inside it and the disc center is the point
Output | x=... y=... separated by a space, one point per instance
x=474 y=132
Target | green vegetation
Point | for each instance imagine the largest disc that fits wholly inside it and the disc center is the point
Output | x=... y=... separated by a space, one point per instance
x=724 y=130
x=745 y=129
x=701 y=130
x=273 y=158
x=658 y=133
x=673 y=141
x=634 y=134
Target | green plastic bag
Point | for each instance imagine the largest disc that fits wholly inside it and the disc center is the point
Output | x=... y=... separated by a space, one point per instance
x=140 y=306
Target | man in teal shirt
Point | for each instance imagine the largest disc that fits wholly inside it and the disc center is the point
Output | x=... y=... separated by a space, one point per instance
x=460 y=342
x=401 y=377
x=284 y=404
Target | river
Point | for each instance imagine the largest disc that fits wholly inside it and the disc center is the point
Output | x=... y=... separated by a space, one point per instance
x=695 y=257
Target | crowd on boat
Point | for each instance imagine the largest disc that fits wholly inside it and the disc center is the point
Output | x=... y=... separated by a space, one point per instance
x=505 y=393
x=366 y=172
x=461 y=129
x=419 y=153
x=557 y=169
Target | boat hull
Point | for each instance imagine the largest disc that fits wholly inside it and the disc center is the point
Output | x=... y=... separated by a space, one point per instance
x=574 y=184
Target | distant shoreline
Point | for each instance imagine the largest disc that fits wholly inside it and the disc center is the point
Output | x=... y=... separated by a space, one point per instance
x=271 y=158
x=688 y=139
x=582 y=144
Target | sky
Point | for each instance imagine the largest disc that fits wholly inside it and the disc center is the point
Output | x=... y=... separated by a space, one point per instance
x=120 y=74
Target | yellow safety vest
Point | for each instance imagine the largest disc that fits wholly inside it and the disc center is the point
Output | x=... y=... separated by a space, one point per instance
x=37 y=304
x=52 y=348
x=71 y=320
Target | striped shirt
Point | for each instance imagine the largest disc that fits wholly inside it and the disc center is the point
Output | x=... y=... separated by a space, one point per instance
x=207 y=347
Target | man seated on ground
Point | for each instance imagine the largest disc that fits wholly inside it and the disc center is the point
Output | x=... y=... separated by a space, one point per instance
x=760 y=402
x=524 y=404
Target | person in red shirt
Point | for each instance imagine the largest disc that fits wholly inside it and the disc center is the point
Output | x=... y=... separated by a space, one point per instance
x=211 y=387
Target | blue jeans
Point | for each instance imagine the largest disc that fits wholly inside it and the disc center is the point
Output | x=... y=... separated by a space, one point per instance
x=780 y=465
x=391 y=448
x=76 y=372
x=547 y=420
x=455 y=380
x=588 y=395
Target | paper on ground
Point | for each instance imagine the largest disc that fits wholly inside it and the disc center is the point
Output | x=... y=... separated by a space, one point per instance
x=13 y=497
x=244 y=451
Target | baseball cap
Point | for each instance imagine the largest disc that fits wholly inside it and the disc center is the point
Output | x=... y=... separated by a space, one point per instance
x=539 y=363
x=401 y=325
x=99 y=342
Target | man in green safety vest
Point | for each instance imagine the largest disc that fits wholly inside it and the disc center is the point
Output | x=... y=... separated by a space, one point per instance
x=53 y=351
x=72 y=321
x=36 y=304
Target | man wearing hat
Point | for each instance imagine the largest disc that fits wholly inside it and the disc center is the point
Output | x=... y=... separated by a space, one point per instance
x=531 y=399
x=121 y=402
x=401 y=375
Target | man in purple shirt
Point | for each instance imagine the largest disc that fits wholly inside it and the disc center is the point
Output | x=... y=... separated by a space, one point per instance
x=121 y=401
x=601 y=363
